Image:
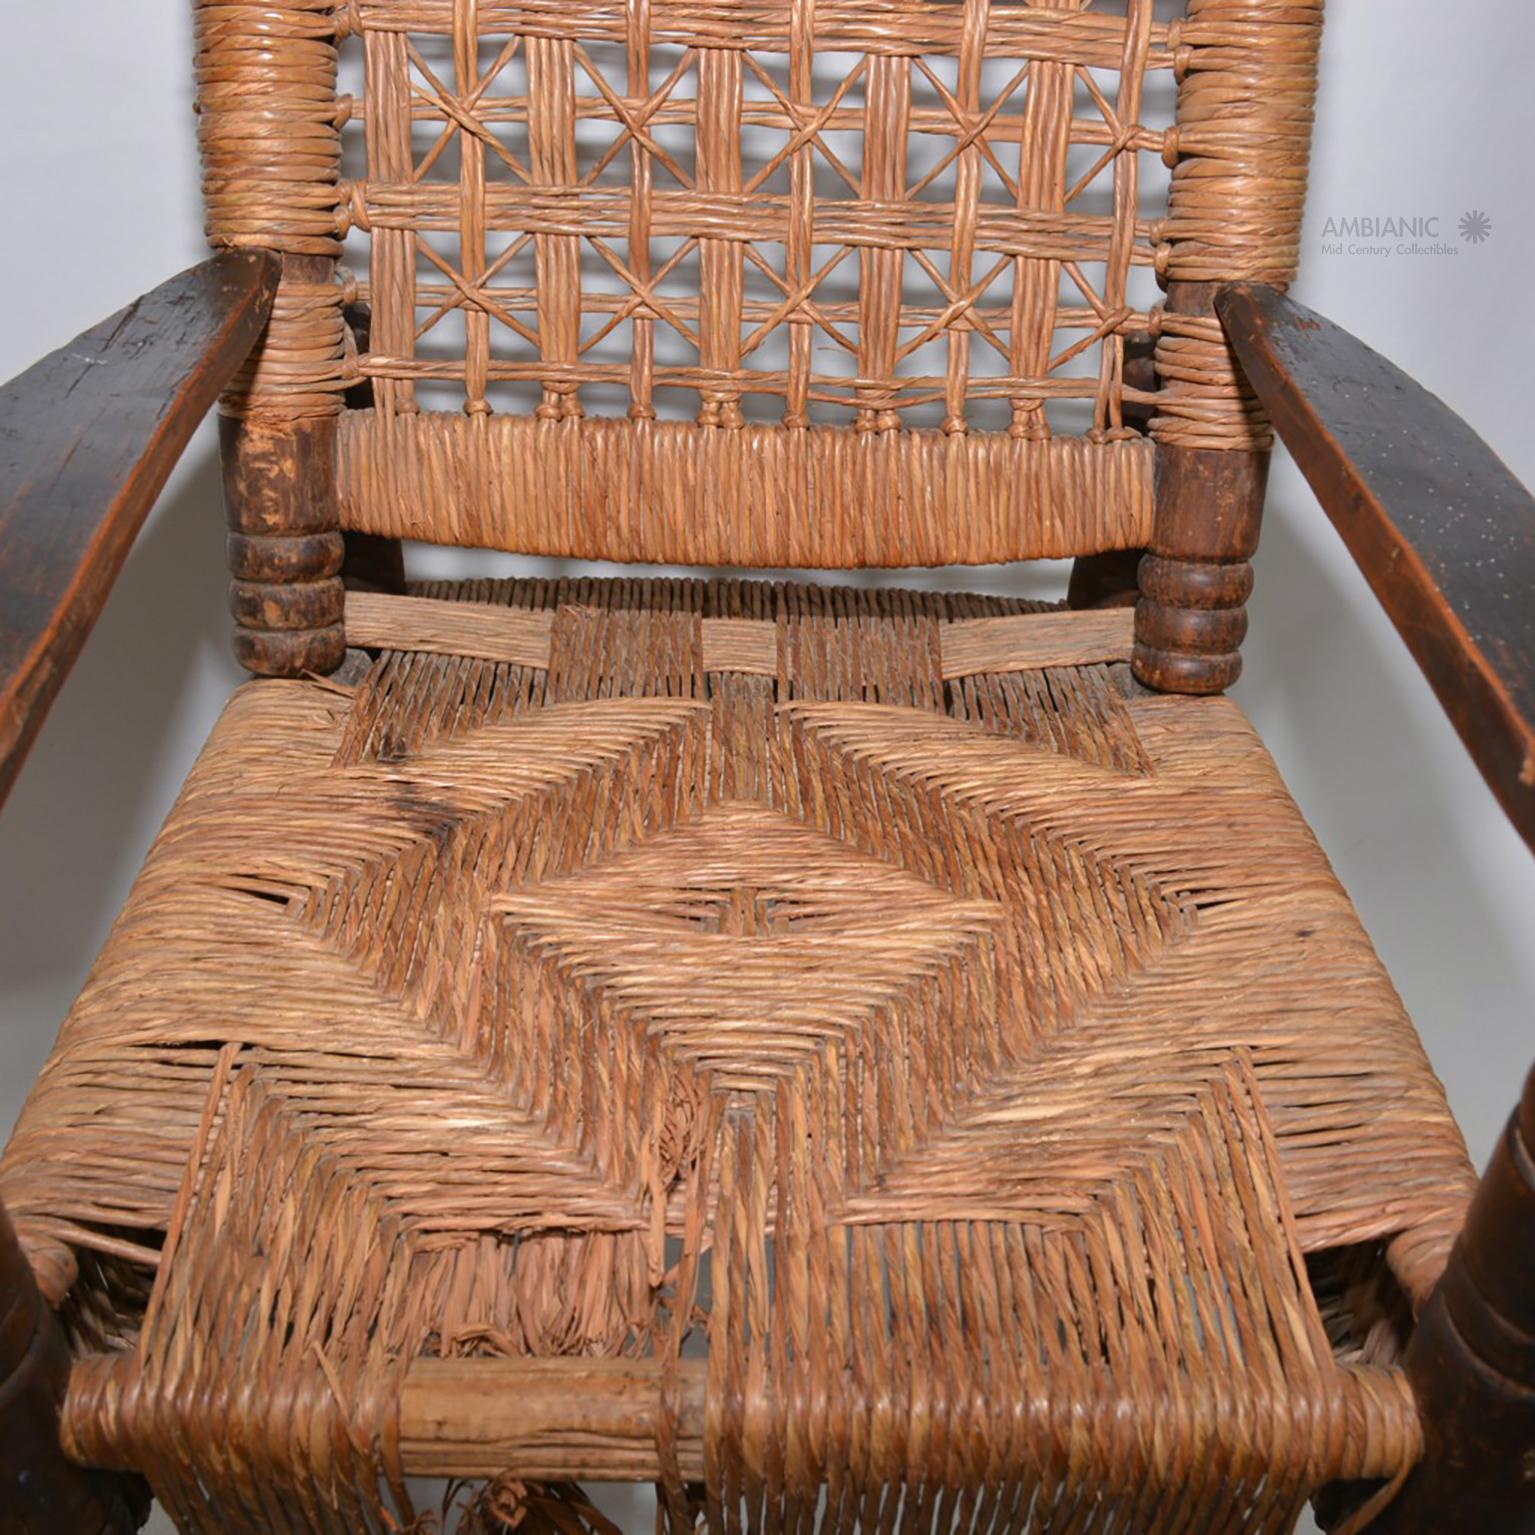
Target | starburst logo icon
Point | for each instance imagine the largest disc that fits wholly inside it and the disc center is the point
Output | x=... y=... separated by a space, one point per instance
x=1475 y=227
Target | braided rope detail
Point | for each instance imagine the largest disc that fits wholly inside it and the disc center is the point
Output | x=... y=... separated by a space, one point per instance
x=1245 y=105
x=270 y=135
x=299 y=368
x=1241 y=153
x=1204 y=401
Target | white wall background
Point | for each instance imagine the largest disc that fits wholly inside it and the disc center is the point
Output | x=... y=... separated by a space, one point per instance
x=1415 y=118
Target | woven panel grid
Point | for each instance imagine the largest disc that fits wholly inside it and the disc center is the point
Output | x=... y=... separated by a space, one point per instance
x=862 y=217
x=769 y=284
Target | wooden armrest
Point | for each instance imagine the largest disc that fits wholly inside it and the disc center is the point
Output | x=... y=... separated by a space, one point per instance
x=87 y=438
x=1445 y=535
x=1442 y=530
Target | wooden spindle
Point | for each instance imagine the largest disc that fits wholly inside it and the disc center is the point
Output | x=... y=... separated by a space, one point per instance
x=42 y=1492
x=1197 y=575
x=1472 y=1362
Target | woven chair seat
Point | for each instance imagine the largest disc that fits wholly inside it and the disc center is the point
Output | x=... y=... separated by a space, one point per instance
x=944 y=1085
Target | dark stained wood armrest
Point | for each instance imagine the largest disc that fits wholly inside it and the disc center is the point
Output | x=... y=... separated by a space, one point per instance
x=1445 y=535
x=1442 y=530
x=87 y=438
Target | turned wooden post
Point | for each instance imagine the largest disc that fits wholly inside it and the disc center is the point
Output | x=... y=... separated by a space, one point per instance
x=1472 y=1362
x=269 y=132
x=285 y=543
x=1197 y=575
x=1239 y=154
x=42 y=1493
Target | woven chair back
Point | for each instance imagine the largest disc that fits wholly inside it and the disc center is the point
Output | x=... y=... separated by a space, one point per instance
x=812 y=283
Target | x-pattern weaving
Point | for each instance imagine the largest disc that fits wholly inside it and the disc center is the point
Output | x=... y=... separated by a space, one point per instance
x=782 y=203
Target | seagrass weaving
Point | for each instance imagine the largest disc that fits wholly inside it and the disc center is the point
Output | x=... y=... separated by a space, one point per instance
x=867 y=283
x=903 y=1074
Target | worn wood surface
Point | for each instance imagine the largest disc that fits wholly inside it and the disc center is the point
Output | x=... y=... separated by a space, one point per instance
x=1472 y=1361
x=1194 y=582
x=87 y=438
x=1441 y=529
x=1010 y=643
x=561 y=1419
x=42 y=1493
x=1109 y=580
x=285 y=550
x=1197 y=576
x=279 y=462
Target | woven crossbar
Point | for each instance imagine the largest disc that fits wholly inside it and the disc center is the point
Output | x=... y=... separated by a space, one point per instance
x=753 y=235
x=676 y=492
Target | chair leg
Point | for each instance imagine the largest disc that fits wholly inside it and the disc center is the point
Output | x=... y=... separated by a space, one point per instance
x=1472 y=1362
x=373 y=563
x=41 y=1492
x=1105 y=580
x=1112 y=579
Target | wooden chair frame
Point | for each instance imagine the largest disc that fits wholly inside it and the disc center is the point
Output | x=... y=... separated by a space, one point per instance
x=1384 y=457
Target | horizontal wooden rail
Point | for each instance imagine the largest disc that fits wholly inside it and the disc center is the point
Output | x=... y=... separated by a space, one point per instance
x=547 y=1420
x=559 y=1419
x=1026 y=642
x=1018 y=642
x=553 y=1419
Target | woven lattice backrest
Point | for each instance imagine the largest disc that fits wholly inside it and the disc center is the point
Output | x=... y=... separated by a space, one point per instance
x=769 y=282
